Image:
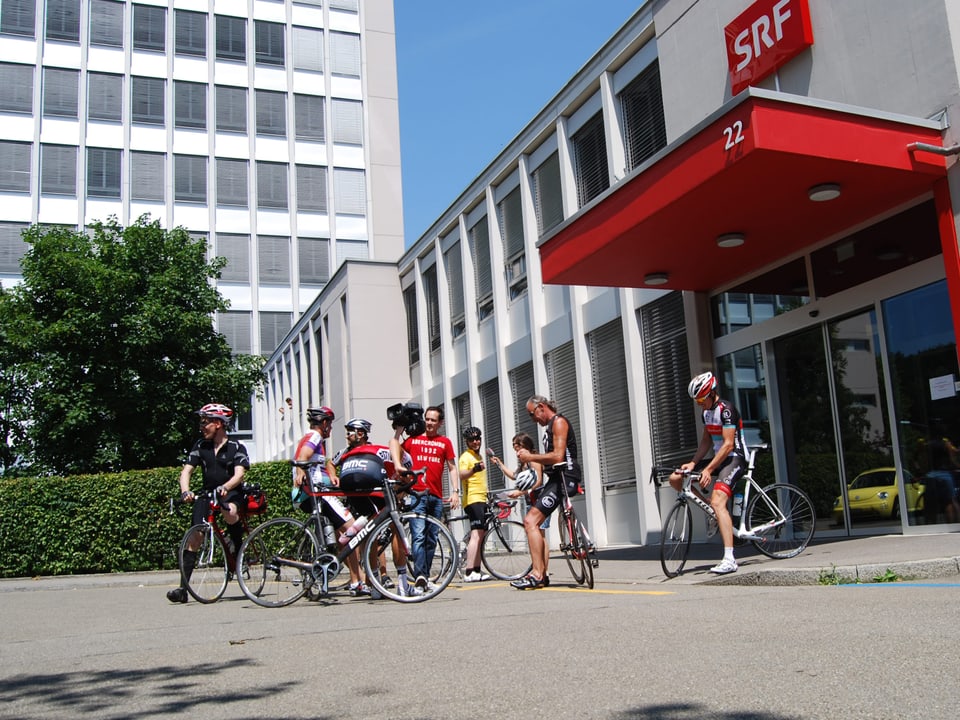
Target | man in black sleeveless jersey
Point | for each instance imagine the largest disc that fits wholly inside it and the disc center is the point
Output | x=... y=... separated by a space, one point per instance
x=560 y=446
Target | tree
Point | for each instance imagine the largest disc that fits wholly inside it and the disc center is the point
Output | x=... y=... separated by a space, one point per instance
x=110 y=337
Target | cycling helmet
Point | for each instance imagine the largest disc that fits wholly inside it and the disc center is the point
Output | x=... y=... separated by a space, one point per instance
x=319 y=414
x=217 y=412
x=701 y=386
x=526 y=479
x=359 y=424
x=471 y=433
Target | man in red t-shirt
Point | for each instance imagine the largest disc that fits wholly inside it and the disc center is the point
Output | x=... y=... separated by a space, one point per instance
x=431 y=451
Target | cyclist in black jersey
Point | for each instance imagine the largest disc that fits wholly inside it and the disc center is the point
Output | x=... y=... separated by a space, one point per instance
x=223 y=462
x=560 y=446
x=723 y=433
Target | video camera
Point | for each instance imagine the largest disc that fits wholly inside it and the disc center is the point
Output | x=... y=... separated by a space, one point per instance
x=410 y=416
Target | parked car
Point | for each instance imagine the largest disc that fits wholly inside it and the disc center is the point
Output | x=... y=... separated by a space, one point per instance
x=875 y=493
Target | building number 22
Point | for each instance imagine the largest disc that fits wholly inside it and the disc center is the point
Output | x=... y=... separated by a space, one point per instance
x=734 y=134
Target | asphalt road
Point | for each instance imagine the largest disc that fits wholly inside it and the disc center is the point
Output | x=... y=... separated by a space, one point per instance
x=480 y=651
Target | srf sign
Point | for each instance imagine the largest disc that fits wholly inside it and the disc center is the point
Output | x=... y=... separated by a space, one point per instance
x=765 y=36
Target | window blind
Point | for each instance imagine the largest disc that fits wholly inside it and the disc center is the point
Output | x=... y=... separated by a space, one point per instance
x=308 y=111
x=612 y=401
x=16 y=88
x=548 y=194
x=307 y=49
x=590 y=154
x=15 y=166
x=271 y=185
x=106 y=23
x=60 y=92
x=273 y=255
x=232 y=182
x=103 y=172
x=314 y=260
x=190 y=178
x=641 y=102
x=104 y=97
x=147 y=176
x=231 y=109
x=350 y=192
x=312 y=188
x=236 y=250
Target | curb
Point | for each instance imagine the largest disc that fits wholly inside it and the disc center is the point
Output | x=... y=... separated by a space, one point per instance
x=846 y=574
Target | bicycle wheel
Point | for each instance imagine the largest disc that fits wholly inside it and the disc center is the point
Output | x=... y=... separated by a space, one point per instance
x=788 y=538
x=583 y=551
x=210 y=571
x=568 y=536
x=675 y=540
x=442 y=570
x=250 y=566
x=505 y=552
x=282 y=543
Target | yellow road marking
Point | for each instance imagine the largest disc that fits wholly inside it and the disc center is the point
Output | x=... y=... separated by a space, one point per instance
x=596 y=591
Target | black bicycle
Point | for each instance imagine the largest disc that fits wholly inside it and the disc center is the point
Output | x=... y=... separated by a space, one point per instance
x=299 y=557
x=505 y=552
x=577 y=547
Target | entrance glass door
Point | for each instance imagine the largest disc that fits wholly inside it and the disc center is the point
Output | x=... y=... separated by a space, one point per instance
x=835 y=424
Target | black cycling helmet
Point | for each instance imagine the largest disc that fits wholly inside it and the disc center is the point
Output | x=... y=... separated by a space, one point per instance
x=359 y=425
x=472 y=433
x=319 y=414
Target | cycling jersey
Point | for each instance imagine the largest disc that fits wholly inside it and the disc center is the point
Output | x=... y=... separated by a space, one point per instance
x=724 y=415
x=218 y=465
x=317 y=473
x=476 y=491
x=572 y=470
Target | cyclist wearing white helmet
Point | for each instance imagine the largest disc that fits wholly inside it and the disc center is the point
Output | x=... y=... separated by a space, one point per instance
x=723 y=433
x=223 y=463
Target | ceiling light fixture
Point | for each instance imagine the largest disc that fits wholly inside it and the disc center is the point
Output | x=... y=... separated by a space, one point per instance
x=731 y=240
x=824 y=192
x=656 y=278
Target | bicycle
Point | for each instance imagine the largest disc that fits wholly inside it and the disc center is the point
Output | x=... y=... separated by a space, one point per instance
x=504 y=552
x=302 y=558
x=578 y=548
x=217 y=561
x=779 y=519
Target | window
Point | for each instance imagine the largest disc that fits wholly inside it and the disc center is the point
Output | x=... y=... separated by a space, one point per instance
x=590 y=157
x=312 y=188
x=103 y=172
x=16 y=88
x=232 y=182
x=269 y=41
x=314 y=257
x=58 y=170
x=432 y=294
x=104 y=97
x=189 y=178
x=60 y=88
x=347 y=118
x=307 y=49
x=345 y=54
x=146 y=102
x=644 y=128
x=12 y=247
x=564 y=390
x=350 y=5
x=673 y=429
x=349 y=192
x=236 y=250
x=191 y=33
x=348 y=249
x=273 y=254
x=231 y=109
x=510 y=216
x=609 y=369
x=15 y=166
x=479 y=237
x=63 y=20
x=492 y=427
x=106 y=23
x=17 y=17
x=147 y=176
x=234 y=325
x=149 y=28
x=548 y=195
x=413 y=332
x=271 y=185
x=274 y=326
x=453 y=264
x=190 y=104
x=522 y=387
x=271 y=113
x=231 y=38
x=308 y=112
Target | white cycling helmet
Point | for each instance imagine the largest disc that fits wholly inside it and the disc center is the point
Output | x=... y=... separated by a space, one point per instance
x=702 y=385
x=526 y=479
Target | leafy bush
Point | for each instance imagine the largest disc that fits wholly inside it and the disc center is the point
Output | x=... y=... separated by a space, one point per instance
x=106 y=523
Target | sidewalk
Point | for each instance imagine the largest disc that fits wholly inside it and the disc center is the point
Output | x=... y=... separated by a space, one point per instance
x=862 y=558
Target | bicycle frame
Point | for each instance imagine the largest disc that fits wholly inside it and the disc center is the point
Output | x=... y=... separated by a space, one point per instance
x=493 y=516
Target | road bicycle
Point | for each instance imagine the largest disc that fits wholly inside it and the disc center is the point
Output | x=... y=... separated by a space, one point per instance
x=577 y=547
x=216 y=561
x=293 y=558
x=779 y=519
x=505 y=552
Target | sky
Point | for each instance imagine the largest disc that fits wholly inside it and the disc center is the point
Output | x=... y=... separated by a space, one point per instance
x=472 y=74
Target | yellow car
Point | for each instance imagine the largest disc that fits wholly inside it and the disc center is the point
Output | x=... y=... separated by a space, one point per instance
x=875 y=492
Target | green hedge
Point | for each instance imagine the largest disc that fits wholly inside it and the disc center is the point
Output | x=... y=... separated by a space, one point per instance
x=106 y=523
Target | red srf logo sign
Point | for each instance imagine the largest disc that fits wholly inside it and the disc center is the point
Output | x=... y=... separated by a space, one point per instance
x=765 y=36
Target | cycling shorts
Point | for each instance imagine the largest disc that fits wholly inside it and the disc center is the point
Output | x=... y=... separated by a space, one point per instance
x=727 y=475
x=332 y=508
x=476 y=512
x=549 y=496
x=201 y=506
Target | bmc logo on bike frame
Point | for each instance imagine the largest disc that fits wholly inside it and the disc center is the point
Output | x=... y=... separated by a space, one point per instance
x=764 y=37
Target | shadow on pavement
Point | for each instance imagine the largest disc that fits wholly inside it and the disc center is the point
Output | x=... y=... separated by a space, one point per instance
x=689 y=711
